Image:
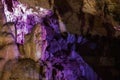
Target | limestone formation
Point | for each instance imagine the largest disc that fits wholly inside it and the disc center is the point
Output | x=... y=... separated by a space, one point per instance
x=39 y=38
x=90 y=17
x=35 y=43
x=24 y=69
x=8 y=47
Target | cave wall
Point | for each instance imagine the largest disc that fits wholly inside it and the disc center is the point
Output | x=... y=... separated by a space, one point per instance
x=90 y=16
x=93 y=19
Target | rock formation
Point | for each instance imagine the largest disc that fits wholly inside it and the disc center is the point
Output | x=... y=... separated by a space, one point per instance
x=39 y=40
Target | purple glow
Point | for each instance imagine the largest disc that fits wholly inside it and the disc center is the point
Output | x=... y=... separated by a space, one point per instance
x=58 y=56
x=24 y=18
x=71 y=38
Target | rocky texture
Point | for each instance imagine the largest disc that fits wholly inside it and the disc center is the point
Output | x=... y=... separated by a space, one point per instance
x=35 y=42
x=24 y=69
x=23 y=17
x=49 y=53
x=8 y=47
x=90 y=17
x=59 y=58
x=55 y=68
x=86 y=21
x=32 y=3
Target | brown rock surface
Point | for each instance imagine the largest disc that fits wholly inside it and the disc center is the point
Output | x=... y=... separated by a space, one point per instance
x=8 y=47
x=80 y=16
x=86 y=16
x=34 y=43
x=94 y=16
x=25 y=69
x=34 y=3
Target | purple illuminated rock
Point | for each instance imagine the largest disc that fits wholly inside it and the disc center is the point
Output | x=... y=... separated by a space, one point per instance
x=35 y=43
x=24 y=18
x=50 y=55
x=67 y=68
